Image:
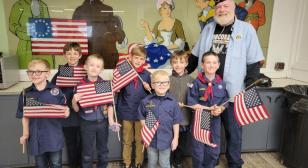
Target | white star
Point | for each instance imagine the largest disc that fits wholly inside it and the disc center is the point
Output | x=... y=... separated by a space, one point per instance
x=161 y=58
x=155 y=45
x=168 y=54
x=155 y=60
x=148 y=59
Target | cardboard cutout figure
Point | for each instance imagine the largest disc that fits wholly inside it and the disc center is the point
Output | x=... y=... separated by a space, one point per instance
x=256 y=12
x=21 y=11
x=104 y=30
x=167 y=32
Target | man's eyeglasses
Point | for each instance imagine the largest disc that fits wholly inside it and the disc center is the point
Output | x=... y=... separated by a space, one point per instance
x=35 y=72
x=162 y=83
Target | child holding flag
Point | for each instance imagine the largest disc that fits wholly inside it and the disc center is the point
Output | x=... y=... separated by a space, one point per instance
x=92 y=95
x=160 y=117
x=129 y=99
x=45 y=134
x=207 y=90
x=66 y=79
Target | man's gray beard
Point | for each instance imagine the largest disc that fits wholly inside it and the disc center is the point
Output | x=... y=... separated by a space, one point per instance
x=224 y=20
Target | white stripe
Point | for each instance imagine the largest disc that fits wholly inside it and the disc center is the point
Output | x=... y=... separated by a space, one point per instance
x=69 y=23
x=52 y=50
x=70 y=34
x=55 y=45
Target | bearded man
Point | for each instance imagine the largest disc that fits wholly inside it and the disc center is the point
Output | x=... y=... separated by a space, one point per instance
x=239 y=51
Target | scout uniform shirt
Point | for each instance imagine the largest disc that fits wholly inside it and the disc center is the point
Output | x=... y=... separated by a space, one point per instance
x=130 y=97
x=45 y=134
x=167 y=111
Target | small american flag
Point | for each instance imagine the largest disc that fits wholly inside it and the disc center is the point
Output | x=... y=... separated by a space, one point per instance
x=49 y=35
x=122 y=75
x=149 y=129
x=249 y=108
x=69 y=76
x=35 y=109
x=95 y=94
x=201 y=129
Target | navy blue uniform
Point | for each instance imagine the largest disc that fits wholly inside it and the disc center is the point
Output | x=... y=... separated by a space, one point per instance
x=204 y=156
x=130 y=96
x=45 y=134
x=167 y=111
x=94 y=127
x=71 y=127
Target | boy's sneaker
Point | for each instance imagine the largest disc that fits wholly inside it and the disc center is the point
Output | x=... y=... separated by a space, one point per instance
x=178 y=165
x=124 y=166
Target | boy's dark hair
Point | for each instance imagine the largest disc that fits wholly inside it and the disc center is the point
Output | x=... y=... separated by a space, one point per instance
x=208 y=53
x=139 y=50
x=72 y=45
x=179 y=54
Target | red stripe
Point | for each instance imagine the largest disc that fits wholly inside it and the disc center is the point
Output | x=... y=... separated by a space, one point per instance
x=68 y=20
x=53 y=42
x=53 y=53
x=46 y=47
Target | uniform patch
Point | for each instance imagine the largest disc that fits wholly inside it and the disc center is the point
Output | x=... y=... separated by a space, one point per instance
x=238 y=37
x=55 y=91
x=190 y=85
x=220 y=86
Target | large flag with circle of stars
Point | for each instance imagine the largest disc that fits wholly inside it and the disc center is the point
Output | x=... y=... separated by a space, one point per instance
x=49 y=35
x=149 y=129
x=201 y=127
x=35 y=109
x=94 y=94
x=69 y=76
x=249 y=108
x=122 y=75
x=157 y=55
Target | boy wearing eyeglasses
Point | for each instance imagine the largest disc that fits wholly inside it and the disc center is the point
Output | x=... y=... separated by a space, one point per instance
x=180 y=81
x=71 y=125
x=160 y=113
x=208 y=90
x=44 y=135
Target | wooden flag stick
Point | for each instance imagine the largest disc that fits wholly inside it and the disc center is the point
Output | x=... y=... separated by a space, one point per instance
x=115 y=113
x=23 y=148
x=137 y=74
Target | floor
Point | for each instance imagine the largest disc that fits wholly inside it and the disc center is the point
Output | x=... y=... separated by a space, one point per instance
x=252 y=160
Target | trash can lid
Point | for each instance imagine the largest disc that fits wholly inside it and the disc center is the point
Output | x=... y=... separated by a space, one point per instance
x=297 y=90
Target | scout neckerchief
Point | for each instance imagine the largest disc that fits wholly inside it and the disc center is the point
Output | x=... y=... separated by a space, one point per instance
x=209 y=90
x=138 y=70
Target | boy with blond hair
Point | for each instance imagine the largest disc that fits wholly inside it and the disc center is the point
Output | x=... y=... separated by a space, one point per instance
x=164 y=109
x=44 y=135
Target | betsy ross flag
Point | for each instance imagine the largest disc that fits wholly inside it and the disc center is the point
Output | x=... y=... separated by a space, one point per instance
x=249 y=108
x=201 y=129
x=94 y=94
x=149 y=129
x=35 y=109
x=122 y=75
x=49 y=35
x=69 y=76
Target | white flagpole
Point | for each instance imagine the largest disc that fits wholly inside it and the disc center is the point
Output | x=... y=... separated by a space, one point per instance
x=114 y=110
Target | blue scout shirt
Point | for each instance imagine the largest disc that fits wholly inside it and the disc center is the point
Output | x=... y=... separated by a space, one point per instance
x=167 y=111
x=130 y=97
x=45 y=133
x=243 y=49
x=195 y=94
x=73 y=120
x=94 y=113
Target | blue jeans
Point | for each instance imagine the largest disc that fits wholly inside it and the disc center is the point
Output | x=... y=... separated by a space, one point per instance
x=233 y=134
x=163 y=156
x=92 y=131
x=49 y=159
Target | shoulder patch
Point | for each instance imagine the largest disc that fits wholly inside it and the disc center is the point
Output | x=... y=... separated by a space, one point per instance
x=54 y=91
x=190 y=85
x=220 y=86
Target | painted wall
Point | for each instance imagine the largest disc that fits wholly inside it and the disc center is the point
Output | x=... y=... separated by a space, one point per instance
x=286 y=40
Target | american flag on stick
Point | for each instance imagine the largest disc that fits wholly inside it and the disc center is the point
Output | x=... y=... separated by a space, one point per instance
x=69 y=76
x=122 y=75
x=149 y=129
x=35 y=109
x=201 y=129
x=249 y=108
x=49 y=35
x=95 y=94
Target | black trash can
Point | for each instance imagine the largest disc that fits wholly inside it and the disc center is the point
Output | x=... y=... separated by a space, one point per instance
x=294 y=148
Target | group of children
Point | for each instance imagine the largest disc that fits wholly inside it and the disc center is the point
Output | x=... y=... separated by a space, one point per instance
x=135 y=104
